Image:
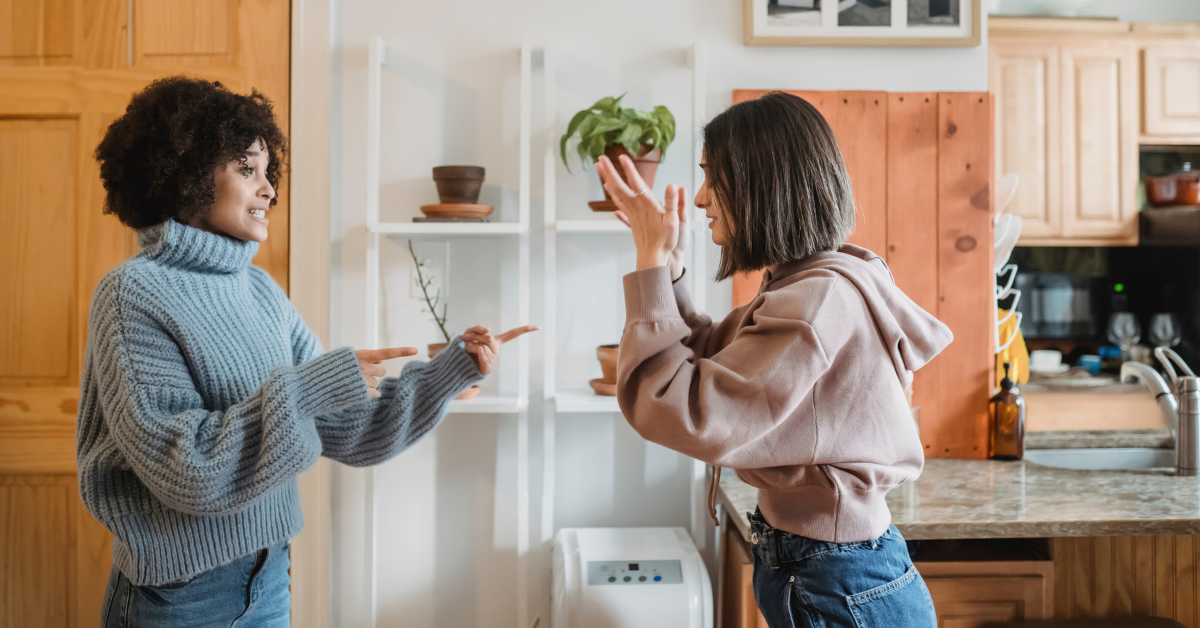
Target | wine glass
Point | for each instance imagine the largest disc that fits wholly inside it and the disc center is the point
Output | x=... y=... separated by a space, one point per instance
x=1165 y=330
x=1124 y=331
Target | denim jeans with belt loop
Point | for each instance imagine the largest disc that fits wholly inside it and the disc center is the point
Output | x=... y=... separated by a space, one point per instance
x=803 y=582
x=250 y=592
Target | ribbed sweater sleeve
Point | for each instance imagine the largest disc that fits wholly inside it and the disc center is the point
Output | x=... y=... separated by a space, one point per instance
x=411 y=405
x=192 y=459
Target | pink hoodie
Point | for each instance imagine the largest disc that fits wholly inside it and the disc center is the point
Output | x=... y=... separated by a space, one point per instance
x=801 y=391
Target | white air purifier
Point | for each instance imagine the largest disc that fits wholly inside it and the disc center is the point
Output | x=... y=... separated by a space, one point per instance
x=629 y=578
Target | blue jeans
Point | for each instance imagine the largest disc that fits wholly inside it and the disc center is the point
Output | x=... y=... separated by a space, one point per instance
x=802 y=582
x=252 y=591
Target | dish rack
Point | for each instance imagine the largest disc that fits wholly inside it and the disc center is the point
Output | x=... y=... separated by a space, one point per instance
x=1006 y=232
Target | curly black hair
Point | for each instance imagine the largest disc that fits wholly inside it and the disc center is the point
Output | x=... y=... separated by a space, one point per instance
x=157 y=160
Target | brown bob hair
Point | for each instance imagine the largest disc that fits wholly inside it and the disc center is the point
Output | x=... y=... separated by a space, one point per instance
x=777 y=173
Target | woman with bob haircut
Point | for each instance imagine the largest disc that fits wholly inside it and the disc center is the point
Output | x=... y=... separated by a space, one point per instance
x=801 y=391
x=203 y=393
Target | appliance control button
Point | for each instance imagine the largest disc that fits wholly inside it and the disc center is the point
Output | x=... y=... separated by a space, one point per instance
x=627 y=578
x=612 y=578
x=642 y=579
x=657 y=578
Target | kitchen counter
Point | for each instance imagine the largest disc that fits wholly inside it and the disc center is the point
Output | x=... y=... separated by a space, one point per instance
x=979 y=499
x=1100 y=439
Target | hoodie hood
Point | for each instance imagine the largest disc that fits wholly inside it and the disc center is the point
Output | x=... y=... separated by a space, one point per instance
x=912 y=335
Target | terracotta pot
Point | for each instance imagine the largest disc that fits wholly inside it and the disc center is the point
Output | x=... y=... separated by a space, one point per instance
x=456 y=210
x=458 y=185
x=1161 y=191
x=646 y=164
x=603 y=388
x=607 y=354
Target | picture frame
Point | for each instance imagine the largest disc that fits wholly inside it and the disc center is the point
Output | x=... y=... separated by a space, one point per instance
x=890 y=23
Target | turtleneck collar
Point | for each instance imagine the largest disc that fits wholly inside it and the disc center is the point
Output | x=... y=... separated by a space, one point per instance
x=175 y=244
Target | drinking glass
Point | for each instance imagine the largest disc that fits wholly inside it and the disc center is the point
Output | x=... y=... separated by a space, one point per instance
x=1165 y=330
x=1124 y=331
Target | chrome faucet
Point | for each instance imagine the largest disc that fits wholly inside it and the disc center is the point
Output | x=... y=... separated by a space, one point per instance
x=1180 y=404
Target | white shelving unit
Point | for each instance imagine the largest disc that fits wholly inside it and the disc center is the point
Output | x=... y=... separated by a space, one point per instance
x=448 y=229
x=577 y=397
x=567 y=399
x=484 y=404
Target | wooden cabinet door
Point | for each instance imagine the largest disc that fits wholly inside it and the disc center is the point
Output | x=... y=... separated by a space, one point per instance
x=971 y=594
x=1171 y=84
x=1023 y=78
x=1100 y=151
x=67 y=70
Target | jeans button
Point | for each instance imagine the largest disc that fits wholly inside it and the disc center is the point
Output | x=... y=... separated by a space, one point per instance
x=754 y=538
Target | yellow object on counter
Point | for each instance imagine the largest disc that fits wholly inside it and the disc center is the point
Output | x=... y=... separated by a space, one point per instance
x=1016 y=352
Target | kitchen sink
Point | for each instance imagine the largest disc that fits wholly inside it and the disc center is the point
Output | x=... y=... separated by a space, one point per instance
x=1089 y=459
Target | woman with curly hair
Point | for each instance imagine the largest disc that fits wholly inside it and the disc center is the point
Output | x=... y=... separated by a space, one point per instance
x=203 y=394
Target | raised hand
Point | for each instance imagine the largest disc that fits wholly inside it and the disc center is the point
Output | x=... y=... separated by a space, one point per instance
x=370 y=362
x=485 y=348
x=657 y=231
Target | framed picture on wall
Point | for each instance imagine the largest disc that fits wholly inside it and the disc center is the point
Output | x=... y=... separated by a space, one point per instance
x=862 y=23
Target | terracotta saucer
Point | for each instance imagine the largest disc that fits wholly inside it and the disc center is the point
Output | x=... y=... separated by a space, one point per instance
x=603 y=206
x=603 y=388
x=444 y=210
x=469 y=393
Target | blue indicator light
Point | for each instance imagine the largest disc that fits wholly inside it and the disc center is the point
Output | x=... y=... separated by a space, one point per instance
x=657 y=578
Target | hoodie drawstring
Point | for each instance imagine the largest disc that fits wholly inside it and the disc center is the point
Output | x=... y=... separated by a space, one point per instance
x=713 y=485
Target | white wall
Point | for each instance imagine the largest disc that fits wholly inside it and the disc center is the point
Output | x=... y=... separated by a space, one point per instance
x=446 y=540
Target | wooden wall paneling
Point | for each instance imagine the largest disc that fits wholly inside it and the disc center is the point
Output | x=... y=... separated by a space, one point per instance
x=912 y=218
x=938 y=161
x=859 y=122
x=1163 y=575
x=1139 y=576
x=965 y=299
x=861 y=128
x=1122 y=581
x=1142 y=575
x=1184 y=579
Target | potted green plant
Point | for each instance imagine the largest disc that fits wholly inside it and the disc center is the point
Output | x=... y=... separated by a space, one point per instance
x=607 y=128
x=431 y=304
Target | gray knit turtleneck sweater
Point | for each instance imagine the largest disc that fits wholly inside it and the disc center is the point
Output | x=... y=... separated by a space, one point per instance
x=204 y=395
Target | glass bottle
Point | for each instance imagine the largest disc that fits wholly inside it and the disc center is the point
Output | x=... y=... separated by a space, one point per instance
x=1006 y=412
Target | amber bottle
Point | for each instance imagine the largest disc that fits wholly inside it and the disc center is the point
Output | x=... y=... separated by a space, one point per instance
x=1006 y=412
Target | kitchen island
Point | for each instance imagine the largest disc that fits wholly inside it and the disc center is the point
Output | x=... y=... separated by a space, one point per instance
x=988 y=499
x=1018 y=540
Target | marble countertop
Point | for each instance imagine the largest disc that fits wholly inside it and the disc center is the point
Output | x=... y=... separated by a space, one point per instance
x=1100 y=439
x=979 y=499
